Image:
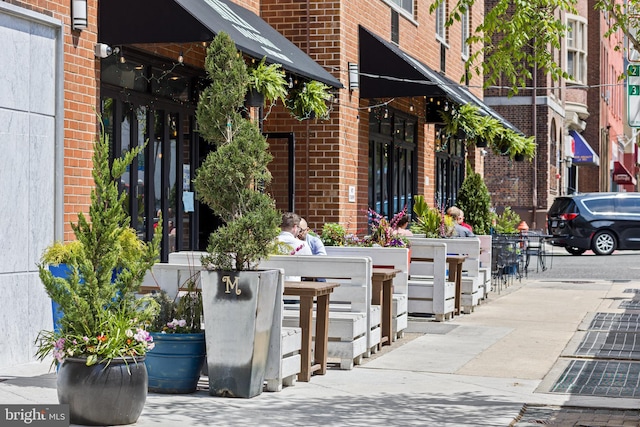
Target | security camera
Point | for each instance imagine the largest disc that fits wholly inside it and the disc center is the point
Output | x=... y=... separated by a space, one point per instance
x=483 y=152
x=102 y=50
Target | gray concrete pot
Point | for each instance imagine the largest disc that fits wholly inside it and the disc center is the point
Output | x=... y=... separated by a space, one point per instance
x=238 y=313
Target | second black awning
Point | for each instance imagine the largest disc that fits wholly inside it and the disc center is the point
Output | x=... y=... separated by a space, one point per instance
x=187 y=21
x=387 y=71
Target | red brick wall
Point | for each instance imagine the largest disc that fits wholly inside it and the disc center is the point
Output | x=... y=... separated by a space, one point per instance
x=333 y=155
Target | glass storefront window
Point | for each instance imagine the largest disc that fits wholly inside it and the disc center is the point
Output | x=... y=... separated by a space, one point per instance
x=391 y=158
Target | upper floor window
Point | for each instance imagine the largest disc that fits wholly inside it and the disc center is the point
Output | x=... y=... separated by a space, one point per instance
x=464 y=22
x=405 y=5
x=441 y=16
x=577 y=49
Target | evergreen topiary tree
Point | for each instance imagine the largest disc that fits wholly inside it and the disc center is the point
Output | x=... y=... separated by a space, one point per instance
x=107 y=263
x=229 y=178
x=475 y=202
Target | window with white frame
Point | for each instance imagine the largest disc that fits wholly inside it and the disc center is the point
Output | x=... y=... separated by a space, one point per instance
x=441 y=16
x=405 y=5
x=464 y=21
x=577 y=49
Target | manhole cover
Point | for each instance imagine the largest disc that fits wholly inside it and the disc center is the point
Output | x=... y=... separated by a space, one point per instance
x=599 y=378
x=615 y=322
x=610 y=345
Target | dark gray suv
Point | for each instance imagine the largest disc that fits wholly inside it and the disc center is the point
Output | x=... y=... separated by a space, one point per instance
x=602 y=222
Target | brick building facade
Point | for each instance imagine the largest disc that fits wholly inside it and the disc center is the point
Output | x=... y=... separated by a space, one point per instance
x=136 y=87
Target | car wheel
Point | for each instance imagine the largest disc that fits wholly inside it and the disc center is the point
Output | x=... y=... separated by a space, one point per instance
x=575 y=251
x=603 y=243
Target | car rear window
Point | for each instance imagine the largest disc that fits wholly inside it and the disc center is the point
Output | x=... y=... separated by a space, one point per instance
x=562 y=205
x=600 y=205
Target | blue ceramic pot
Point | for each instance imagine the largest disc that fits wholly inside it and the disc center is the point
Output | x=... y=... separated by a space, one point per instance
x=175 y=363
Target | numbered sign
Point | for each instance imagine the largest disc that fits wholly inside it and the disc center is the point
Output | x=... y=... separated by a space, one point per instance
x=633 y=95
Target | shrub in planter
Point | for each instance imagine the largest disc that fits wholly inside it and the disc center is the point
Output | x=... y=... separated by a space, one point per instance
x=475 y=202
x=229 y=181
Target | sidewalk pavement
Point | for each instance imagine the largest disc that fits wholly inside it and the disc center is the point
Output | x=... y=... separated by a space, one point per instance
x=488 y=368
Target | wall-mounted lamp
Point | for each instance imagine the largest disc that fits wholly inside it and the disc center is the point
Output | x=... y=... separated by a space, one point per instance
x=354 y=80
x=79 y=19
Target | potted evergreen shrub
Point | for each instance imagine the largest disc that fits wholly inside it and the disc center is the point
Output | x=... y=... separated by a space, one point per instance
x=507 y=222
x=175 y=363
x=475 y=202
x=100 y=343
x=238 y=302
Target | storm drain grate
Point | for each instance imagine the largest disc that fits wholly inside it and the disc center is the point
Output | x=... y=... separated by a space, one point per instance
x=610 y=345
x=630 y=304
x=600 y=378
x=632 y=291
x=615 y=322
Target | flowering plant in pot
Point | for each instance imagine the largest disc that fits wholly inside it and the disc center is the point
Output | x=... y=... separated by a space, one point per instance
x=383 y=231
x=175 y=363
x=102 y=325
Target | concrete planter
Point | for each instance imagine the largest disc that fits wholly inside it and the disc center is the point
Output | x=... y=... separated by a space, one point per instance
x=238 y=314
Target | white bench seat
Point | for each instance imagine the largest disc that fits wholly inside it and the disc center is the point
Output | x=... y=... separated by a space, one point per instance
x=429 y=290
x=397 y=258
x=354 y=324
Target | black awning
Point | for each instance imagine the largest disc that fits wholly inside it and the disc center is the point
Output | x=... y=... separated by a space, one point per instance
x=187 y=21
x=387 y=71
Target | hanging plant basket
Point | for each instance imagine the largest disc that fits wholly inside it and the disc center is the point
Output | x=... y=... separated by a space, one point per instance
x=254 y=98
x=481 y=142
x=519 y=157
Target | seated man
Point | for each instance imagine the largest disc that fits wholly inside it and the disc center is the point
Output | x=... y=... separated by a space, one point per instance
x=458 y=219
x=314 y=242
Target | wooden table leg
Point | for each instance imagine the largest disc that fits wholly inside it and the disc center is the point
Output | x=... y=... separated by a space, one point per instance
x=387 y=309
x=322 y=333
x=377 y=298
x=306 y=316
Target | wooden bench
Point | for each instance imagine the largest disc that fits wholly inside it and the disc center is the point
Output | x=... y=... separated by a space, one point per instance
x=354 y=323
x=397 y=258
x=283 y=362
x=429 y=291
x=472 y=283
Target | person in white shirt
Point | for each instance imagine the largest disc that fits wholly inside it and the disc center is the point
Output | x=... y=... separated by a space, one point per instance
x=290 y=228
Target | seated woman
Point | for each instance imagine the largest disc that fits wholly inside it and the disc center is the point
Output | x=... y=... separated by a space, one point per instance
x=401 y=227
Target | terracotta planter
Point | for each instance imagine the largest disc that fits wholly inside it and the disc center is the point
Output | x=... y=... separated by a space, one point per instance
x=102 y=394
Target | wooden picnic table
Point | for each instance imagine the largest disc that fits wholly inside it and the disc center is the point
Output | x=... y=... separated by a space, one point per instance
x=308 y=292
x=382 y=281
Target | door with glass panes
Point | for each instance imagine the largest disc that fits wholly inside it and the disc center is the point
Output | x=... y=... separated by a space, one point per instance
x=158 y=182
